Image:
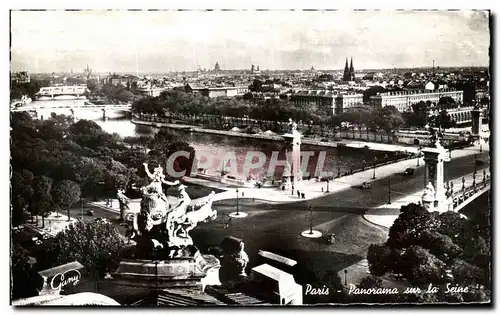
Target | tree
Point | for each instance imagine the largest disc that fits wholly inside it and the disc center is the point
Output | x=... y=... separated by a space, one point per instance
x=379 y=259
x=387 y=118
x=421 y=267
x=407 y=229
x=440 y=245
x=93 y=244
x=370 y=282
x=21 y=195
x=442 y=120
x=22 y=273
x=66 y=193
x=371 y=92
x=446 y=102
x=42 y=203
x=89 y=173
x=467 y=274
x=452 y=224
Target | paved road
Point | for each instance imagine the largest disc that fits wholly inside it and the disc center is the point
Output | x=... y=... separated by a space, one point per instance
x=277 y=227
x=77 y=212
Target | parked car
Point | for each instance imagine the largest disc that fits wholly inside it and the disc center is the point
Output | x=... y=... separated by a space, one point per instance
x=90 y=213
x=330 y=238
x=365 y=185
x=409 y=171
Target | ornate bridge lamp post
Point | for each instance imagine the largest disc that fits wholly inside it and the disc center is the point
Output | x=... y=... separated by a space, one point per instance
x=374 y=167
x=238 y=214
x=419 y=154
x=389 y=192
x=310 y=233
x=328 y=185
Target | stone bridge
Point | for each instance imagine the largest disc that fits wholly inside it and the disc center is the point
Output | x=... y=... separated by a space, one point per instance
x=76 y=111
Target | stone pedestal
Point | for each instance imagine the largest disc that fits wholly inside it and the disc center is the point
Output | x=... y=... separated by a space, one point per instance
x=190 y=271
x=434 y=158
x=293 y=142
x=477 y=118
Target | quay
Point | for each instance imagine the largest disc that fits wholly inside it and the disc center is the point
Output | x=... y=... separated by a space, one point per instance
x=315 y=141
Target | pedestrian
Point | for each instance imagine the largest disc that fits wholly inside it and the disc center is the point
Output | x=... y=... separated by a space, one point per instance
x=298 y=194
x=303 y=196
x=242 y=194
x=322 y=189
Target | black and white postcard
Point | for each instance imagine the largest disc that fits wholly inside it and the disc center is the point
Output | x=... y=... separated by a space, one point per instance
x=256 y=158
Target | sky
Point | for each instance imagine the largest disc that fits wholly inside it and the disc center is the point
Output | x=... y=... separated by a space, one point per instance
x=161 y=41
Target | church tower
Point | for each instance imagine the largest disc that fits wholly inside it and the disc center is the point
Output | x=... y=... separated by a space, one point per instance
x=347 y=75
x=351 y=72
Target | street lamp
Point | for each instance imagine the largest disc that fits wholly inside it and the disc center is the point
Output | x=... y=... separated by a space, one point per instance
x=374 y=167
x=328 y=185
x=310 y=233
x=237 y=214
x=475 y=164
x=389 y=192
x=237 y=203
x=310 y=220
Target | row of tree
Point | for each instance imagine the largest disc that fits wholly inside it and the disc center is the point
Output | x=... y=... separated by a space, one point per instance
x=56 y=161
x=275 y=109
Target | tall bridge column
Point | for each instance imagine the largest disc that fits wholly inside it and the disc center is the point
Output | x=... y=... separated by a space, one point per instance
x=434 y=174
x=477 y=119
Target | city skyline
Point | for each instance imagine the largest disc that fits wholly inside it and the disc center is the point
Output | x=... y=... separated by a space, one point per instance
x=164 y=41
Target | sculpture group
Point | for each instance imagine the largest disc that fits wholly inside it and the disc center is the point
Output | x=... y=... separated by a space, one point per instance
x=160 y=229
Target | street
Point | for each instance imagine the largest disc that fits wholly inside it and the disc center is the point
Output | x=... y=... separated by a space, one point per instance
x=277 y=227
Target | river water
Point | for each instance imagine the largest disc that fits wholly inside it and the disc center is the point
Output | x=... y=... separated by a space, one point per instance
x=219 y=147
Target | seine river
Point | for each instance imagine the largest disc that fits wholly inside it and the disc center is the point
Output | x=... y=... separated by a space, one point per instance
x=218 y=146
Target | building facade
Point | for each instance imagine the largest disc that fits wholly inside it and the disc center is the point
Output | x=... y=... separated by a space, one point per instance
x=337 y=102
x=20 y=77
x=225 y=91
x=402 y=100
x=149 y=90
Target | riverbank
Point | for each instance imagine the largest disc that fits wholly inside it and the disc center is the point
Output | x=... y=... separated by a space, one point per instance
x=314 y=141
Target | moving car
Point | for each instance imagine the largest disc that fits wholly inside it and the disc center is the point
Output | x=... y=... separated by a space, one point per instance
x=330 y=238
x=365 y=185
x=90 y=213
x=409 y=171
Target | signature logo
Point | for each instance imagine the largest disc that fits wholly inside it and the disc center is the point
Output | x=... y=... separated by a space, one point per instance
x=63 y=279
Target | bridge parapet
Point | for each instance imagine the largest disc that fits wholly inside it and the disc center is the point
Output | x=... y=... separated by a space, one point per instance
x=465 y=195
